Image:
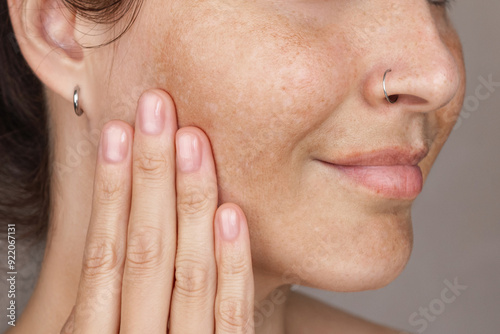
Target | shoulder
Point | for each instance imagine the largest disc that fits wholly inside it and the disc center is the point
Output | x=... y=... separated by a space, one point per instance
x=308 y=315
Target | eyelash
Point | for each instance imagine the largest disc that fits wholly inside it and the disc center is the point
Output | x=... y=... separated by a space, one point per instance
x=441 y=3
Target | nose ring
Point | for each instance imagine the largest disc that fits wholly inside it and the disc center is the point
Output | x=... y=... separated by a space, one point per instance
x=394 y=97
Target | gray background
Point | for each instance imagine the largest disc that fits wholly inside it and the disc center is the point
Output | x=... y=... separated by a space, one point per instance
x=456 y=218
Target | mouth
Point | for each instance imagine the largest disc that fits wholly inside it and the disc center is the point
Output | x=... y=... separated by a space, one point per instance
x=391 y=173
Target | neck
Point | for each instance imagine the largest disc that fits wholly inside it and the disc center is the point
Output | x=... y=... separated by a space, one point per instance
x=74 y=148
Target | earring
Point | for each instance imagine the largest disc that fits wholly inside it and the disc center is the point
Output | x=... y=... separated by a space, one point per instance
x=76 y=102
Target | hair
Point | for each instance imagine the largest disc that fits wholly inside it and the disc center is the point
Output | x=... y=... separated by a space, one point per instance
x=25 y=152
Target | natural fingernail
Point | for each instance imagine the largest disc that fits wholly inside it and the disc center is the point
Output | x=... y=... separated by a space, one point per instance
x=115 y=144
x=151 y=114
x=188 y=152
x=229 y=224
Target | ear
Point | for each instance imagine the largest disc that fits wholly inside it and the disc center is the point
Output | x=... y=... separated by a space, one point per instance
x=45 y=31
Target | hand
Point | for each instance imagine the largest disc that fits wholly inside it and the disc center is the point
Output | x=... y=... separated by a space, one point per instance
x=143 y=190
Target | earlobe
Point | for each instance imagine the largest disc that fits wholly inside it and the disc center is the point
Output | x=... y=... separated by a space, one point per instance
x=45 y=32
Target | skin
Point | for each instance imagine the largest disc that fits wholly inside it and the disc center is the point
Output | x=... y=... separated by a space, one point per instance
x=274 y=85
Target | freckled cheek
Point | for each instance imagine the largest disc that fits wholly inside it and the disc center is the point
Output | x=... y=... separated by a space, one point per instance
x=247 y=74
x=255 y=102
x=260 y=104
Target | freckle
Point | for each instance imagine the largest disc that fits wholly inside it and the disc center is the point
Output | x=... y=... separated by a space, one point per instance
x=213 y=107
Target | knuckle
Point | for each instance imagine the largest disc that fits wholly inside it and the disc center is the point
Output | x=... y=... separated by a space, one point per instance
x=144 y=248
x=232 y=314
x=109 y=190
x=151 y=165
x=191 y=278
x=196 y=199
x=100 y=258
x=235 y=266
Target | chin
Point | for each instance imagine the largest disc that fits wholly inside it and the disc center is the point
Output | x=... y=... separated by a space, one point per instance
x=367 y=259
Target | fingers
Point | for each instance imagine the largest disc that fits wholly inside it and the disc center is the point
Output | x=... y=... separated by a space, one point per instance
x=235 y=286
x=97 y=308
x=68 y=327
x=195 y=272
x=140 y=195
x=151 y=243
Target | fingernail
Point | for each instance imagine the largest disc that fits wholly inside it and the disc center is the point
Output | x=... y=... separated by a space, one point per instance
x=229 y=224
x=115 y=144
x=151 y=114
x=188 y=152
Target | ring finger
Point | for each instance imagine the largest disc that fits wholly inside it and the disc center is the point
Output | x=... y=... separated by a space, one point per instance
x=195 y=270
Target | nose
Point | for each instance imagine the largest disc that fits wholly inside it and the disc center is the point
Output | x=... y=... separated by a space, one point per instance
x=424 y=75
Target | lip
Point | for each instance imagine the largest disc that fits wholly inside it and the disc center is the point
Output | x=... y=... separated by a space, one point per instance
x=390 y=173
x=383 y=157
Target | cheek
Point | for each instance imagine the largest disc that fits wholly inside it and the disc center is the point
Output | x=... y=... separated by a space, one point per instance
x=253 y=84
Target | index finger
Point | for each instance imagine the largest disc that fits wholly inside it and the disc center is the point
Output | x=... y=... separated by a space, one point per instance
x=97 y=308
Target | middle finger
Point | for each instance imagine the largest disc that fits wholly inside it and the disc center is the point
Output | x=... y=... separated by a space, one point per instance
x=151 y=241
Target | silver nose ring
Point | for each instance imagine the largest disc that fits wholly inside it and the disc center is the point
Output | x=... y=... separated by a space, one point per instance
x=395 y=97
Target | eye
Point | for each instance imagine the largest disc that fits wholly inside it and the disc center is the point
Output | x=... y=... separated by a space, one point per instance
x=440 y=3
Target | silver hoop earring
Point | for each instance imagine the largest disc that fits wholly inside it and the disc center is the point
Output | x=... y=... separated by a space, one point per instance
x=395 y=98
x=76 y=102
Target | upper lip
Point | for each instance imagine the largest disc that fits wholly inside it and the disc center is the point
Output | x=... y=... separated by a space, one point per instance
x=388 y=156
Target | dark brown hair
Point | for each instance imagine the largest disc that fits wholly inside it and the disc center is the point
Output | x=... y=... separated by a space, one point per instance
x=25 y=153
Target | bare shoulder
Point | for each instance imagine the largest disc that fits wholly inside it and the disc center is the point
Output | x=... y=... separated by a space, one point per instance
x=308 y=315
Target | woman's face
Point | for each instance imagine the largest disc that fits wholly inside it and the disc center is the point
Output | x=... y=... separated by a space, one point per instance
x=281 y=85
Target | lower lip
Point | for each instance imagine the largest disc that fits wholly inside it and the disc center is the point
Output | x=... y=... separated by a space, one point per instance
x=399 y=182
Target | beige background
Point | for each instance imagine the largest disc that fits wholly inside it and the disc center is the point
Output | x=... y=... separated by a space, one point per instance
x=456 y=218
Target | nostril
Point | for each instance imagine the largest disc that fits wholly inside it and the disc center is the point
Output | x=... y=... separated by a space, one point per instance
x=393 y=98
x=412 y=99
